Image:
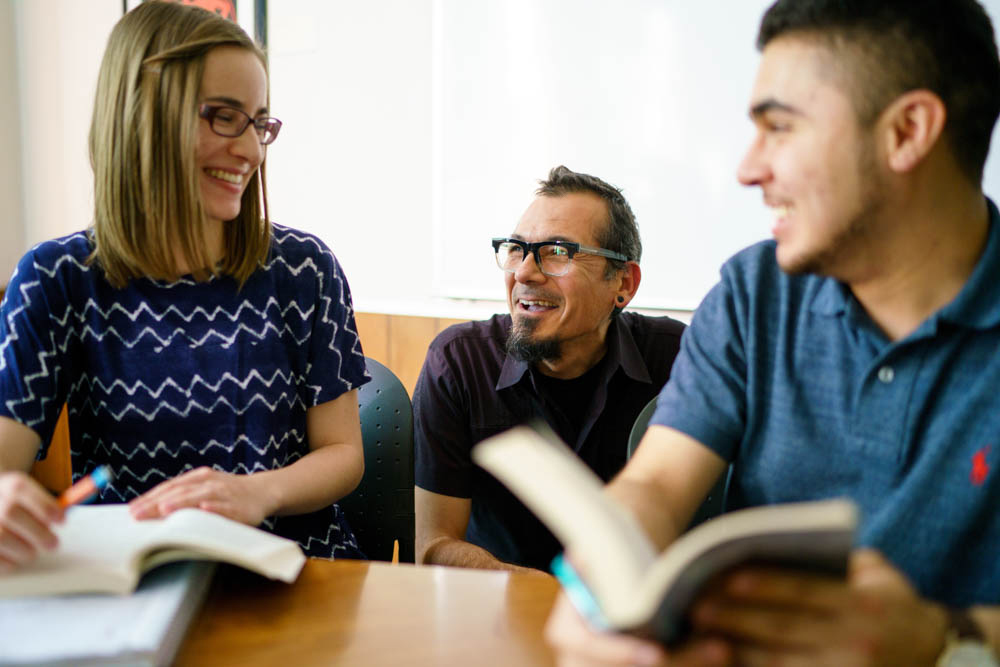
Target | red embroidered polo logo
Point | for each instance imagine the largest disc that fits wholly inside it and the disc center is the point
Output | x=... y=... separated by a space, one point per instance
x=980 y=469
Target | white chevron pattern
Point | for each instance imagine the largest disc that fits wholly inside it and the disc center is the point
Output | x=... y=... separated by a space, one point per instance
x=164 y=377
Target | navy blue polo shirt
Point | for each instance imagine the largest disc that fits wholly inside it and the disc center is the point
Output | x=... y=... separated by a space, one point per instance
x=788 y=378
x=469 y=390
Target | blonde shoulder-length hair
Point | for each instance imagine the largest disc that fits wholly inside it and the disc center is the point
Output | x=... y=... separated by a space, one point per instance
x=143 y=137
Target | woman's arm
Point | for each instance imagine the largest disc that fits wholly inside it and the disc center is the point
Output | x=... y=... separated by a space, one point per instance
x=331 y=470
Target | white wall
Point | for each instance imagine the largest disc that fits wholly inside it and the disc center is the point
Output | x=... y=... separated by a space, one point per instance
x=59 y=47
x=649 y=96
x=12 y=232
x=352 y=83
x=416 y=130
x=360 y=87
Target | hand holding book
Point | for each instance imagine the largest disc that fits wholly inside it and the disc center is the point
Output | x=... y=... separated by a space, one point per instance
x=635 y=589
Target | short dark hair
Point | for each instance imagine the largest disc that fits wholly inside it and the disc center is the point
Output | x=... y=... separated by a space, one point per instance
x=894 y=46
x=621 y=233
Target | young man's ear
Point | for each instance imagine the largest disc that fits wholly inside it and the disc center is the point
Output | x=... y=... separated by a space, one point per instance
x=911 y=127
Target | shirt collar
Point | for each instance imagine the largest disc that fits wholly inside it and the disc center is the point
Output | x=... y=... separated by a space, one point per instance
x=622 y=351
x=512 y=372
x=831 y=298
x=977 y=305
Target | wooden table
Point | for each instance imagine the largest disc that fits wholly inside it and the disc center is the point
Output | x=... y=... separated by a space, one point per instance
x=373 y=613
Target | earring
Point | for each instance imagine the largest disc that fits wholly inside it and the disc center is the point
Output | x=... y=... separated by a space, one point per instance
x=621 y=299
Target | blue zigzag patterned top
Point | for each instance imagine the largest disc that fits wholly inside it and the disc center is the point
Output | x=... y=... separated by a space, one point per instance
x=163 y=377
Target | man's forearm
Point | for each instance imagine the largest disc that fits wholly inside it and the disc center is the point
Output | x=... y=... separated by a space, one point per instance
x=458 y=553
x=643 y=501
x=665 y=481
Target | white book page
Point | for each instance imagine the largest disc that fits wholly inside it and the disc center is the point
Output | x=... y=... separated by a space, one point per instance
x=97 y=547
x=217 y=537
x=103 y=549
x=569 y=498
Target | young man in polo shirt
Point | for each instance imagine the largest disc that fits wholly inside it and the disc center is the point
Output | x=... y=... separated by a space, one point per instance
x=854 y=355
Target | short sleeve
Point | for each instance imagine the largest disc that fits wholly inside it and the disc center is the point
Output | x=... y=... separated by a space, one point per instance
x=441 y=431
x=337 y=362
x=706 y=395
x=35 y=338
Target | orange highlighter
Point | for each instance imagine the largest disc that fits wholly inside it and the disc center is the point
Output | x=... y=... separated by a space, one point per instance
x=87 y=487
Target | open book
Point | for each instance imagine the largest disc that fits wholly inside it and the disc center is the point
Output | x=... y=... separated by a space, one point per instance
x=633 y=588
x=103 y=549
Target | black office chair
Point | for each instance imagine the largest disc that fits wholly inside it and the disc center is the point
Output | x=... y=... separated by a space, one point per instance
x=380 y=510
x=715 y=502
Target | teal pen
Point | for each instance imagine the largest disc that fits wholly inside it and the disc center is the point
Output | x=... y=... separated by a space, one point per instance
x=86 y=488
x=578 y=593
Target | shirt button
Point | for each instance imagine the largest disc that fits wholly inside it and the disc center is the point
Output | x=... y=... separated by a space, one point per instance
x=886 y=374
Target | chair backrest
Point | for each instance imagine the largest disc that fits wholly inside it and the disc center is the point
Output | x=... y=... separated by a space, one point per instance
x=380 y=510
x=715 y=502
x=639 y=427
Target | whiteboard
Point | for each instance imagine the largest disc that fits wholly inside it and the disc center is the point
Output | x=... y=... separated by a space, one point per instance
x=650 y=95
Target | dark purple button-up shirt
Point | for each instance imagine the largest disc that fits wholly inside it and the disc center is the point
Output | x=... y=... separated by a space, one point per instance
x=469 y=390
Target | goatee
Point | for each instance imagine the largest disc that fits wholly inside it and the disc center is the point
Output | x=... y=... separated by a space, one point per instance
x=522 y=346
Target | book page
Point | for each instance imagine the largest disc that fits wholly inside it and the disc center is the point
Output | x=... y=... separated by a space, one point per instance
x=569 y=498
x=197 y=534
x=97 y=545
x=103 y=549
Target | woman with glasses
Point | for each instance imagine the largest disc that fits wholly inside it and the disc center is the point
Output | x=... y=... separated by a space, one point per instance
x=210 y=358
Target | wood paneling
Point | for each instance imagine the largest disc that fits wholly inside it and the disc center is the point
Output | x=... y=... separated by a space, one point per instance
x=445 y=322
x=400 y=341
x=410 y=337
x=54 y=472
x=373 y=328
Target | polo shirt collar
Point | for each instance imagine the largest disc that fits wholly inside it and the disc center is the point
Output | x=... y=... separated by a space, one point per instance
x=831 y=298
x=622 y=351
x=977 y=304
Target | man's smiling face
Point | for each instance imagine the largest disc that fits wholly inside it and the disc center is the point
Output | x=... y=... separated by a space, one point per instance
x=573 y=310
x=811 y=158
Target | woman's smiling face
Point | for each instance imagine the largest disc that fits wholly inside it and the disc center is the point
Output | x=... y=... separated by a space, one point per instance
x=233 y=77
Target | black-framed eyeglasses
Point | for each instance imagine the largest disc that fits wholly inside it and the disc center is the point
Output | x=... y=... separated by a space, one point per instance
x=228 y=121
x=552 y=257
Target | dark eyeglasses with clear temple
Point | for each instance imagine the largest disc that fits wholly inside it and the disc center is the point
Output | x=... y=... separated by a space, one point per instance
x=228 y=121
x=552 y=257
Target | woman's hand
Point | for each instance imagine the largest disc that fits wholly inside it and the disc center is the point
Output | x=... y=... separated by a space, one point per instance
x=332 y=469
x=243 y=498
x=27 y=512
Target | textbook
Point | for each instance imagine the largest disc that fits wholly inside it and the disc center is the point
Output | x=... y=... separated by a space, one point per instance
x=144 y=628
x=102 y=549
x=626 y=586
